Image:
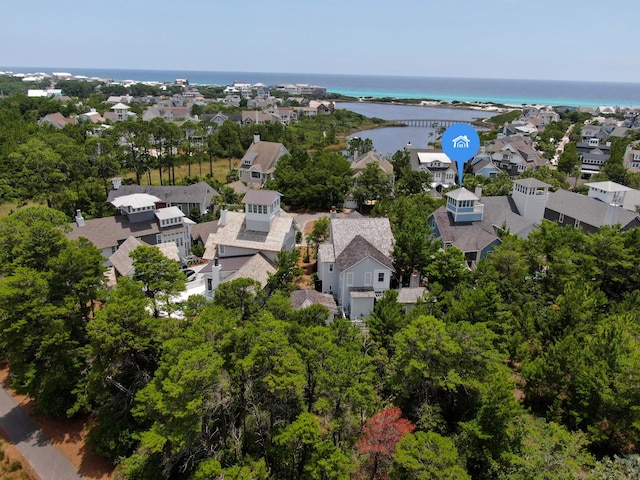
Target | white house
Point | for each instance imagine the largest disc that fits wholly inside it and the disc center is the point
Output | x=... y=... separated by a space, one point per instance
x=263 y=227
x=138 y=216
x=355 y=265
x=443 y=170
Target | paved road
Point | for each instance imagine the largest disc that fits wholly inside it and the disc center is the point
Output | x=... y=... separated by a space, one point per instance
x=45 y=459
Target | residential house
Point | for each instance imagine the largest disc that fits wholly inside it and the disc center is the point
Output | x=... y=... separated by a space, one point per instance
x=475 y=226
x=168 y=114
x=47 y=92
x=443 y=170
x=115 y=99
x=198 y=196
x=120 y=113
x=257 y=267
x=263 y=227
x=306 y=297
x=540 y=118
x=259 y=162
x=56 y=120
x=588 y=212
x=141 y=216
x=92 y=116
x=632 y=157
x=322 y=107
x=593 y=154
x=358 y=166
x=355 y=264
x=408 y=297
x=519 y=127
x=360 y=163
x=515 y=154
x=482 y=165
x=121 y=261
x=201 y=231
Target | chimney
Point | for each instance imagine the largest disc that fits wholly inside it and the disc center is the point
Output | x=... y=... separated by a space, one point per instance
x=611 y=215
x=478 y=191
x=414 y=281
x=333 y=212
x=79 y=218
x=223 y=217
x=256 y=138
x=116 y=182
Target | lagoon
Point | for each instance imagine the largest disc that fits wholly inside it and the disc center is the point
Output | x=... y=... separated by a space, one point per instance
x=388 y=140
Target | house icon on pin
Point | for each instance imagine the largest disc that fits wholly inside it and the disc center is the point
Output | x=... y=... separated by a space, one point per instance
x=461 y=141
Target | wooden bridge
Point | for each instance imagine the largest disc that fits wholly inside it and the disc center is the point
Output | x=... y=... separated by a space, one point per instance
x=416 y=122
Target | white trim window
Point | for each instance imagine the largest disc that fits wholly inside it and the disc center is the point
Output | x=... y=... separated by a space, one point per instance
x=367 y=279
x=350 y=278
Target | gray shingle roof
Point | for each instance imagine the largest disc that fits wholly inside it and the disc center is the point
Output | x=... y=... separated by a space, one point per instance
x=203 y=230
x=377 y=231
x=108 y=231
x=260 y=197
x=307 y=297
x=267 y=153
x=499 y=212
x=532 y=183
x=258 y=268
x=467 y=236
x=410 y=295
x=121 y=260
x=588 y=210
x=200 y=192
x=359 y=249
x=462 y=194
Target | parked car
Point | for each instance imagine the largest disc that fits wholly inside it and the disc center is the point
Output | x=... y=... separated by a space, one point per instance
x=191 y=275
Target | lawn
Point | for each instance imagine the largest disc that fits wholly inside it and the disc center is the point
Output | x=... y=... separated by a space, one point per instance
x=8 y=208
x=220 y=170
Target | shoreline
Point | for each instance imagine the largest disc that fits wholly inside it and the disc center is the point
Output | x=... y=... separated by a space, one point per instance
x=403 y=90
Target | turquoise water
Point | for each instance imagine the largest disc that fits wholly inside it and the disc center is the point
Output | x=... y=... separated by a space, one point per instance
x=438 y=88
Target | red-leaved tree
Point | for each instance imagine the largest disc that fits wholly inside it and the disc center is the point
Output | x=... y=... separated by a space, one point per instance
x=378 y=441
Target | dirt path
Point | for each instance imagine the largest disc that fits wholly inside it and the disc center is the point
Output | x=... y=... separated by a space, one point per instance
x=66 y=435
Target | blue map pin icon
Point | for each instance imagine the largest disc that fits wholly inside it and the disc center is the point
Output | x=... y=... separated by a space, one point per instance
x=460 y=142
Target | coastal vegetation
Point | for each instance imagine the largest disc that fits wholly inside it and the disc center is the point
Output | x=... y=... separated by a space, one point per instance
x=526 y=367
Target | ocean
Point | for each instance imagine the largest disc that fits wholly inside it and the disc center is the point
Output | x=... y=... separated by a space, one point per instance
x=517 y=92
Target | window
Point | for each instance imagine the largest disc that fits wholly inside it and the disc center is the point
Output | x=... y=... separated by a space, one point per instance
x=255 y=174
x=331 y=267
x=350 y=278
x=380 y=277
x=221 y=248
x=159 y=238
x=367 y=278
x=576 y=223
x=561 y=218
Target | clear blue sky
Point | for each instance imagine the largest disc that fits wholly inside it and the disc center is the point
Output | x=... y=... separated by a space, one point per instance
x=530 y=39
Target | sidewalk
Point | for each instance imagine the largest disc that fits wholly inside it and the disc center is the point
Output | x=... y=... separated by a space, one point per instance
x=43 y=457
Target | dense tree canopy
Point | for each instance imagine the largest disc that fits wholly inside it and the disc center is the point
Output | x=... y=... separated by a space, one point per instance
x=526 y=367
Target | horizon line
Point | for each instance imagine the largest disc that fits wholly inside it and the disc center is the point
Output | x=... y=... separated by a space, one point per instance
x=36 y=68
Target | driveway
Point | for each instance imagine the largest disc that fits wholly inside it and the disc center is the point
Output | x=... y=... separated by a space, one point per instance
x=45 y=459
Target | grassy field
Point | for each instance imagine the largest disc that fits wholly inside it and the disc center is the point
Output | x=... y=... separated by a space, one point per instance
x=7 y=208
x=220 y=170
